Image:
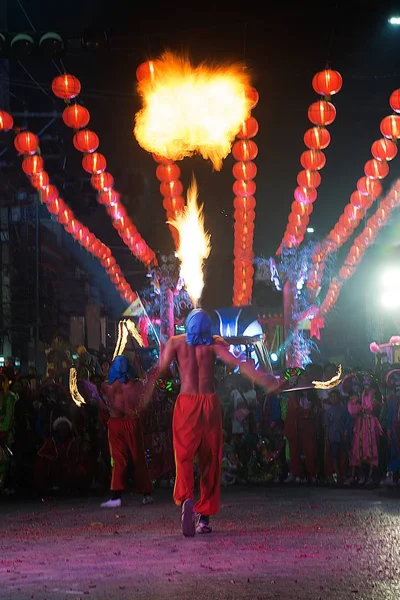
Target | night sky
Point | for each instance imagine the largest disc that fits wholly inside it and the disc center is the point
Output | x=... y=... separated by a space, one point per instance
x=283 y=47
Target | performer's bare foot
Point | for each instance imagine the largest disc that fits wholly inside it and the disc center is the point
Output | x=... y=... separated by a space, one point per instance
x=187 y=519
x=112 y=503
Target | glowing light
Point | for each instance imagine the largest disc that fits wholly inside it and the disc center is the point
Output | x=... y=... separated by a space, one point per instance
x=310 y=230
x=194 y=244
x=190 y=109
x=390 y=300
x=394 y=20
x=331 y=383
x=125 y=329
x=73 y=388
x=274 y=357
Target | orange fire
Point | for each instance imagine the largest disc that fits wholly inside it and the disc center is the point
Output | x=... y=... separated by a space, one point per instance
x=194 y=244
x=190 y=109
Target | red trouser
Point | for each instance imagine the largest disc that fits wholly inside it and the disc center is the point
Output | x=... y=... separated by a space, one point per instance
x=125 y=438
x=197 y=431
x=304 y=443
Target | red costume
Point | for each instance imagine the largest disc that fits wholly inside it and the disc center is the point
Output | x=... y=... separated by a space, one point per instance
x=301 y=432
x=197 y=431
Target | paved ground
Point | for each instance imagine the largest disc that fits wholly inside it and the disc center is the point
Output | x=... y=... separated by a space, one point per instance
x=283 y=542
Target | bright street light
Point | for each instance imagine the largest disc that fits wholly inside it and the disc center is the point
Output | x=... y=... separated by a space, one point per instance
x=310 y=229
x=274 y=357
x=394 y=20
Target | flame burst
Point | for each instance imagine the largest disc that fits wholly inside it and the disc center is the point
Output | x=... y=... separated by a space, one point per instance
x=194 y=244
x=190 y=109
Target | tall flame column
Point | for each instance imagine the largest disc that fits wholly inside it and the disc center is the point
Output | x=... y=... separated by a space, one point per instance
x=244 y=151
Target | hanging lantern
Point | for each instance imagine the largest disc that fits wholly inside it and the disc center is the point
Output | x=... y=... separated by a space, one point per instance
x=358 y=199
x=322 y=113
x=352 y=212
x=327 y=82
x=244 y=170
x=49 y=193
x=6 y=121
x=173 y=204
x=313 y=160
x=161 y=159
x=249 y=129
x=168 y=172
x=390 y=127
x=86 y=141
x=244 y=203
x=102 y=181
x=384 y=149
x=26 y=142
x=66 y=86
x=394 y=101
x=317 y=138
x=94 y=163
x=31 y=165
x=146 y=70
x=109 y=197
x=301 y=209
x=369 y=187
x=76 y=116
x=309 y=179
x=376 y=169
x=305 y=195
x=252 y=95
x=40 y=180
x=54 y=206
x=241 y=187
x=245 y=150
x=171 y=188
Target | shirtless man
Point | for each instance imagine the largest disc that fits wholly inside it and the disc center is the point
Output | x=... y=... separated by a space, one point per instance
x=197 y=421
x=124 y=393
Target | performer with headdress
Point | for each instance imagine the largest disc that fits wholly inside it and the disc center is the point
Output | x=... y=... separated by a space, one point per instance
x=124 y=393
x=197 y=420
x=367 y=429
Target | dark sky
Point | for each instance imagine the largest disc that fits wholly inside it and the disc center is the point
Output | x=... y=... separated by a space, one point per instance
x=283 y=45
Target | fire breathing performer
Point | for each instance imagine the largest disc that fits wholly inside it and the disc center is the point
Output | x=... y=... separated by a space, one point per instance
x=197 y=420
x=124 y=393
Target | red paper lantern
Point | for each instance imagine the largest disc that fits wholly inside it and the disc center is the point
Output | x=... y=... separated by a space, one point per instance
x=369 y=187
x=31 y=165
x=244 y=170
x=94 y=163
x=102 y=181
x=173 y=204
x=244 y=203
x=317 y=138
x=376 y=169
x=352 y=212
x=54 y=206
x=40 y=180
x=26 y=142
x=252 y=95
x=301 y=209
x=310 y=179
x=358 y=199
x=305 y=195
x=322 y=113
x=249 y=129
x=66 y=86
x=168 y=172
x=6 y=121
x=327 y=82
x=394 y=101
x=295 y=219
x=65 y=216
x=171 y=188
x=242 y=188
x=76 y=116
x=313 y=160
x=109 y=197
x=146 y=70
x=245 y=150
x=161 y=159
x=390 y=127
x=49 y=194
x=384 y=149
x=86 y=141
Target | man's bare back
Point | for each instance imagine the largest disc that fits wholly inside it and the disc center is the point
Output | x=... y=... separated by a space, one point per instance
x=196 y=364
x=123 y=398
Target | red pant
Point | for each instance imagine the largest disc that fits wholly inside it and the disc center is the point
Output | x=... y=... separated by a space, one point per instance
x=304 y=443
x=197 y=431
x=125 y=438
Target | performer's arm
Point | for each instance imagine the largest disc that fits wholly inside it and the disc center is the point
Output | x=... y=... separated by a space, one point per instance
x=260 y=378
x=167 y=357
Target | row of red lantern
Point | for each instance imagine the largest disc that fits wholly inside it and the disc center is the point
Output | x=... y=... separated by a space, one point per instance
x=244 y=171
x=368 y=190
x=321 y=114
x=366 y=238
x=86 y=141
x=171 y=189
x=27 y=144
